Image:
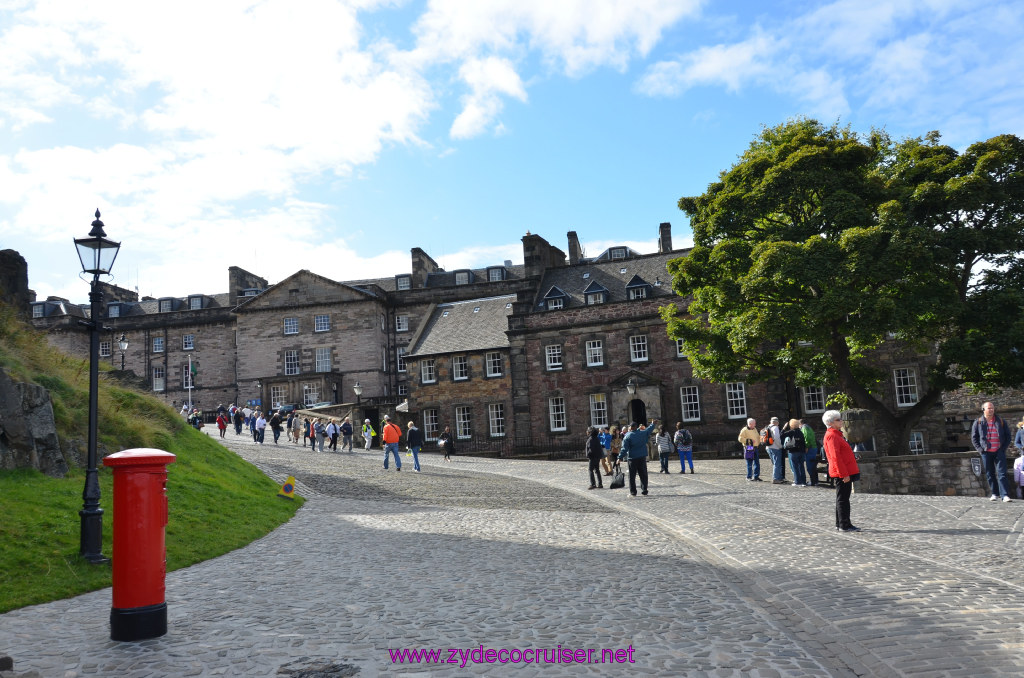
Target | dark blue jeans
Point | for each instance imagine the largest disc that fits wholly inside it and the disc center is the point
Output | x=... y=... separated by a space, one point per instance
x=811 y=460
x=796 y=462
x=995 y=471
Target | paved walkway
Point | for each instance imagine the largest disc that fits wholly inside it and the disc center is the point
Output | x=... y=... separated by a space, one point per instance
x=708 y=576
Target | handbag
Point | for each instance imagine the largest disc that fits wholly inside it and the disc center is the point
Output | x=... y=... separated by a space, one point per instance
x=619 y=479
x=750 y=453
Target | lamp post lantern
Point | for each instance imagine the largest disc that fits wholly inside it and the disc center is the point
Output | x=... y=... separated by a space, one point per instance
x=97 y=255
x=122 y=343
x=358 y=390
x=631 y=387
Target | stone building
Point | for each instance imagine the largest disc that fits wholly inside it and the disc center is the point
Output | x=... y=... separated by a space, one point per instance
x=515 y=358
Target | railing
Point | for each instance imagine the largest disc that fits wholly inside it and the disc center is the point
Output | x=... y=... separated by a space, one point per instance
x=549 y=447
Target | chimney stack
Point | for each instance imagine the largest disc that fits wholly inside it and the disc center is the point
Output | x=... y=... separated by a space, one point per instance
x=665 y=237
x=575 y=253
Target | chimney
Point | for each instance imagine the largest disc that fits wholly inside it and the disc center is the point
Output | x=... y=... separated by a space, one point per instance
x=574 y=249
x=665 y=237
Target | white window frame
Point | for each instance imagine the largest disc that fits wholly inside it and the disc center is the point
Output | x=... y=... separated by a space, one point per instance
x=557 y=420
x=165 y=306
x=495 y=274
x=403 y=282
x=195 y=303
x=595 y=298
x=431 y=429
x=679 y=349
x=495 y=364
x=158 y=345
x=462 y=277
x=403 y=389
x=463 y=422
x=188 y=342
x=323 y=359
x=159 y=378
x=291 y=362
x=400 y=358
x=278 y=392
x=310 y=393
x=598 y=409
x=460 y=368
x=401 y=323
x=37 y=310
x=638 y=352
x=736 y=400
x=814 y=399
x=496 y=419
x=689 y=403
x=916 y=443
x=105 y=348
x=556 y=304
x=291 y=326
x=905 y=381
x=114 y=311
x=322 y=322
x=617 y=253
x=595 y=352
x=636 y=293
x=186 y=377
x=553 y=357
x=428 y=371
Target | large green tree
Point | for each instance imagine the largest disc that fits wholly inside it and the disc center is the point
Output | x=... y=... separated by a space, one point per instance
x=820 y=245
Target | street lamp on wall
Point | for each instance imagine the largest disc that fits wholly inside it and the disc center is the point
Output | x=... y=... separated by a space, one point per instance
x=358 y=390
x=122 y=343
x=334 y=390
x=631 y=387
x=96 y=254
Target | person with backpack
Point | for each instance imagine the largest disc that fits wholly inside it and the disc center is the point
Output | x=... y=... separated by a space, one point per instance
x=684 y=446
x=770 y=438
x=749 y=438
x=663 y=441
x=795 y=446
x=391 y=434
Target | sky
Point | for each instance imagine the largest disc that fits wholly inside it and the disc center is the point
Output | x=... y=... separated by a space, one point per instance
x=335 y=136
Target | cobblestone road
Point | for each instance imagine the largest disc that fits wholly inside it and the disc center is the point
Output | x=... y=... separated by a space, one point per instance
x=708 y=576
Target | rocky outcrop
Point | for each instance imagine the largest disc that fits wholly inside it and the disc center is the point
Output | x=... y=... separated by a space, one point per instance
x=28 y=433
x=14 y=289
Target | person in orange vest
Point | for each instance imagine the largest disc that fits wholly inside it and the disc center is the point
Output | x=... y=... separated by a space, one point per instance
x=391 y=434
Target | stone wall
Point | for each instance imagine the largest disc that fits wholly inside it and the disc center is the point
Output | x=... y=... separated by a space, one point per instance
x=945 y=474
x=28 y=434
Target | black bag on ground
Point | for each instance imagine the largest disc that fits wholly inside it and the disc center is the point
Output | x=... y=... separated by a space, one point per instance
x=619 y=479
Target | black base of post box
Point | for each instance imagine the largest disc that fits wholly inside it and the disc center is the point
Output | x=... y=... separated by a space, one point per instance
x=138 y=623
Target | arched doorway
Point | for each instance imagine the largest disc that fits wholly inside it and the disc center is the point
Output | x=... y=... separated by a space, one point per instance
x=638 y=411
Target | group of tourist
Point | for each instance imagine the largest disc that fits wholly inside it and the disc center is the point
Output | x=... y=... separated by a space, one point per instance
x=795 y=439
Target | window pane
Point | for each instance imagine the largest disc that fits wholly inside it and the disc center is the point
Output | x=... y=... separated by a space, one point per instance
x=323 y=360
x=401 y=323
x=556 y=413
x=496 y=418
x=554 y=356
x=427 y=371
x=104 y=349
x=114 y=311
x=463 y=422
x=159 y=380
x=460 y=367
x=736 y=399
x=400 y=358
x=321 y=323
x=595 y=353
x=277 y=395
x=638 y=348
x=917 y=442
x=494 y=364
x=430 y=426
x=310 y=394
x=291 y=362
x=291 y=325
x=906 y=387
x=598 y=409
x=555 y=304
x=188 y=342
x=158 y=344
x=814 y=399
x=690 y=399
x=404 y=282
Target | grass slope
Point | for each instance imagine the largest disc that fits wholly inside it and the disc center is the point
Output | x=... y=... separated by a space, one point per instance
x=217 y=502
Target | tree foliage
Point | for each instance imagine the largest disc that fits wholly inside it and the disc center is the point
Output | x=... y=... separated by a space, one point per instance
x=819 y=244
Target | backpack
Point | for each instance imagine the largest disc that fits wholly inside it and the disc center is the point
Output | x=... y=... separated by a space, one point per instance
x=789 y=443
x=766 y=436
x=683 y=438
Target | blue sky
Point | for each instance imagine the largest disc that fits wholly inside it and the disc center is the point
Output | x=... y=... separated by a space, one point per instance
x=335 y=136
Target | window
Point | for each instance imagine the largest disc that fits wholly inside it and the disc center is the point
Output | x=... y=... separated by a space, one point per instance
x=595 y=298
x=188 y=342
x=291 y=325
x=555 y=304
x=158 y=344
x=277 y=395
x=595 y=353
x=462 y=278
x=679 y=349
x=430 y=427
x=104 y=349
x=638 y=348
x=494 y=364
x=37 y=310
x=463 y=421
x=159 y=379
x=165 y=306
x=291 y=362
x=496 y=419
x=460 y=368
x=186 y=377
x=310 y=394
x=195 y=303
x=690 y=401
x=427 y=373
x=403 y=282
x=323 y=359
x=556 y=413
x=403 y=390
x=321 y=323
x=598 y=409
x=553 y=354
x=400 y=358
x=906 y=386
x=638 y=293
x=401 y=323
x=917 y=442
x=618 y=253
x=736 y=399
x=114 y=311
x=814 y=399
x=495 y=274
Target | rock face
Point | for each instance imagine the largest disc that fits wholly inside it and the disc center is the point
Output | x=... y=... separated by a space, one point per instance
x=14 y=281
x=28 y=434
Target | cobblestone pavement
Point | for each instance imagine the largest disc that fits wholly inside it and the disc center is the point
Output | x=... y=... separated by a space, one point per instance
x=710 y=575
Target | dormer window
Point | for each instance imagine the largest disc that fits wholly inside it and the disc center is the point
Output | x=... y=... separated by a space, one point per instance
x=114 y=310
x=618 y=253
x=555 y=304
x=195 y=303
x=595 y=298
x=637 y=288
x=638 y=293
x=166 y=305
x=38 y=310
x=595 y=294
x=554 y=299
x=403 y=282
x=496 y=274
x=461 y=277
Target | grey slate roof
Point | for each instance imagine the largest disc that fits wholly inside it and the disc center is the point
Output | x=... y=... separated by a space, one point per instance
x=612 y=275
x=465 y=326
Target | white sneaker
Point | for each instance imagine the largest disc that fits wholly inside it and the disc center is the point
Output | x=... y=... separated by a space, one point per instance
x=1006 y=500
x=993 y=498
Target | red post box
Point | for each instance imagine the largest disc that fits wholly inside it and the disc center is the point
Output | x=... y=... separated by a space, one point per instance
x=139 y=610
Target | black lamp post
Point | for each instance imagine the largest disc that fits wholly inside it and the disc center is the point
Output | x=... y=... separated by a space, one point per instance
x=122 y=343
x=97 y=255
x=358 y=390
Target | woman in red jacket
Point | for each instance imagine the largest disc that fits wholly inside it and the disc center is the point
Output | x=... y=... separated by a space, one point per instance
x=842 y=465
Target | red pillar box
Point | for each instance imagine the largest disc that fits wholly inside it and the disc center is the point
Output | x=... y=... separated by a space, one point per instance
x=139 y=610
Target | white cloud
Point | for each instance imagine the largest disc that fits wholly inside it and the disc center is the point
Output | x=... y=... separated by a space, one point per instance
x=488 y=79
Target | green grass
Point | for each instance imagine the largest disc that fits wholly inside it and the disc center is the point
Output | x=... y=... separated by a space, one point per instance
x=217 y=502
